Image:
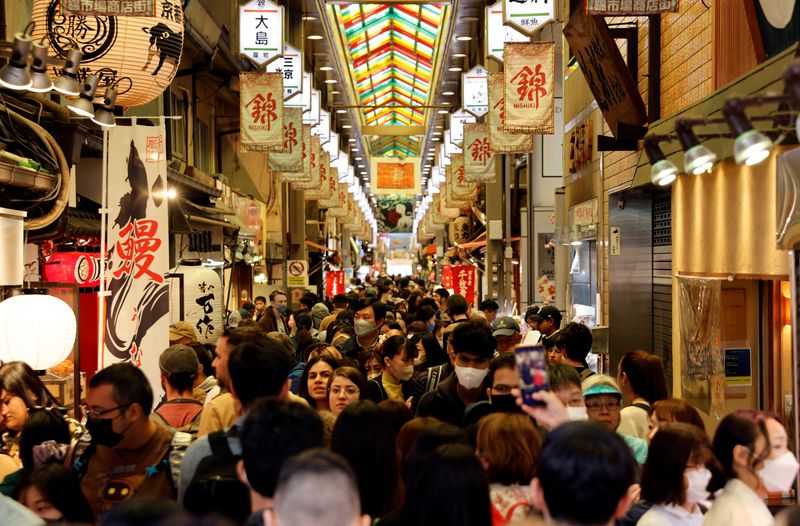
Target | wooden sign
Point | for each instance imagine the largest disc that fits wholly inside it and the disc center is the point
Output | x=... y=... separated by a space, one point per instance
x=631 y=7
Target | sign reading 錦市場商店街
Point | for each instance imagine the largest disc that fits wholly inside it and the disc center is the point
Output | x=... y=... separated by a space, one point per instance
x=631 y=7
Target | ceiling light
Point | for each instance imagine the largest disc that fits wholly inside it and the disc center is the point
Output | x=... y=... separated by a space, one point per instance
x=447 y=103
x=663 y=171
x=67 y=82
x=435 y=139
x=14 y=75
x=331 y=81
x=309 y=18
x=358 y=158
x=437 y=132
x=459 y=55
x=751 y=146
x=439 y=126
x=314 y=37
x=326 y=68
x=454 y=68
x=447 y=93
x=334 y=92
x=346 y=126
x=464 y=38
x=354 y=149
x=443 y=112
x=697 y=158
x=341 y=111
x=83 y=105
x=351 y=139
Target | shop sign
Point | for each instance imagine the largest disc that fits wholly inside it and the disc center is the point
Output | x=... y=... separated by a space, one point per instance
x=499 y=141
x=607 y=75
x=332 y=147
x=311 y=114
x=291 y=67
x=457 y=120
x=297 y=273
x=392 y=175
x=261 y=112
x=304 y=175
x=464 y=281
x=323 y=129
x=497 y=33
x=475 y=91
x=313 y=182
x=449 y=147
x=261 y=31
x=291 y=158
x=528 y=97
x=584 y=213
x=447 y=277
x=478 y=156
x=304 y=100
x=321 y=188
x=334 y=283
x=331 y=198
x=631 y=7
x=528 y=15
x=108 y=8
x=581 y=146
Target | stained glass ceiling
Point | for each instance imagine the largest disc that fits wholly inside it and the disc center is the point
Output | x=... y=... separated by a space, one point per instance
x=391 y=51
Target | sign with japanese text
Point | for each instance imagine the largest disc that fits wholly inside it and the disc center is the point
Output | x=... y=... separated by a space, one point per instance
x=261 y=31
x=304 y=100
x=297 y=273
x=291 y=158
x=334 y=283
x=313 y=168
x=392 y=175
x=478 y=156
x=447 y=277
x=321 y=190
x=458 y=188
x=475 y=91
x=332 y=197
x=332 y=146
x=449 y=147
x=137 y=307
x=261 y=111
x=312 y=114
x=108 y=8
x=528 y=97
x=464 y=281
x=497 y=33
x=447 y=189
x=499 y=140
x=631 y=7
x=528 y=15
x=323 y=129
x=457 y=120
x=196 y=297
x=304 y=175
x=607 y=75
x=291 y=67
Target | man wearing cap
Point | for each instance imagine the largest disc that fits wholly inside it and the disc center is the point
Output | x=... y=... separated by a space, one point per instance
x=179 y=367
x=548 y=320
x=506 y=331
x=604 y=405
x=182 y=332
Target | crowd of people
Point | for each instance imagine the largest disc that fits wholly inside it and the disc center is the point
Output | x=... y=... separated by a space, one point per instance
x=393 y=405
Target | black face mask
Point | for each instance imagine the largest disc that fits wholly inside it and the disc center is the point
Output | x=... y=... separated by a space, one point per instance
x=102 y=432
x=505 y=404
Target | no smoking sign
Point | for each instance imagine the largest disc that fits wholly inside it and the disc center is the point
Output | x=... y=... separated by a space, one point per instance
x=297 y=273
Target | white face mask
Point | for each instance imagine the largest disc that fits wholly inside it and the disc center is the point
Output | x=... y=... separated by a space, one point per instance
x=403 y=373
x=577 y=414
x=363 y=327
x=697 y=480
x=779 y=473
x=469 y=377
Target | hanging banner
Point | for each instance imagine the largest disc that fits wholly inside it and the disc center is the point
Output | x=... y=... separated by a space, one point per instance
x=339 y=209
x=528 y=15
x=475 y=91
x=261 y=31
x=395 y=213
x=458 y=119
x=631 y=7
x=196 y=297
x=449 y=147
x=334 y=283
x=497 y=34
x=291 y=158
x=137 y=307
x=320 y=191
x=529 y=88
x=447 y=277
x=312 y=113
x=499 y=141
x=261 y=112
x=464 y=281
x=304 y=175
x=447 y=190
x=291 y=67
x=313 y=168
x=331 y=198
x=478 y=157
x=457 y=186
x=392 y=175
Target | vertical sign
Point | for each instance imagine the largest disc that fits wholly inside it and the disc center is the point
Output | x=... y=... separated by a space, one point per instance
x=137 y=308
x=334 y=283
x=500 y=141
x=528 y=99
x=312 y=114
x=475 y=91
x=323 y=129
x=497 y=34
x=261 y=31
x=291 y=158
x=464 y=281
x=291 y=67
x=261 y=111
x=449 y=147
x=297 y=273
x=478 y=157
x=457 y=120
x=528 y=15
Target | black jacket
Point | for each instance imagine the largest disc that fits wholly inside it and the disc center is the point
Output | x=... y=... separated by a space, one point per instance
x=444 y=403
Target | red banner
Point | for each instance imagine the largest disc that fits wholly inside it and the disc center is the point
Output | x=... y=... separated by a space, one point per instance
x=464 y=281
x=447 y=277
x=334 y=283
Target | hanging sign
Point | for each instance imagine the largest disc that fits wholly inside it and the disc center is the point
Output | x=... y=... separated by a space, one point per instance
x=631 y=7
x=528 y=99
x=321 y=188
x=392 y=175
x=528 y=15
x=196 y=292
x=106 y=8
x=261 y=31
x=304 y=100
x=312 y=115
x=332 y=197
x=478 y=157
x=457 y=120
x=497 y=33
x=332 y=146
x=475 y=91
x=291 y=67
x=449 y=147
x=334 y=283
x=313 y=168
x=291 y=158
x=500 y=141
x=464 y=281
x=458 y=186
x=447 y=189
x=447 y=277
x=261 y=109
x=304 y=174
x=137 y=307
x=297 y=273
x=323 y=129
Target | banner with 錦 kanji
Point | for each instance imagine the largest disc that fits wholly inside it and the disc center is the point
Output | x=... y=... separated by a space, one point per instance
x=304 y=175
x=323 y=188
x=459 y=187
x=478 y=156
x=528 y=98
x=391 y=175
x=290 y=160
x=447 y=188
x=331 y=198
x=261 y=112
x=499 y=140
x=313 y=183
x=137 y=307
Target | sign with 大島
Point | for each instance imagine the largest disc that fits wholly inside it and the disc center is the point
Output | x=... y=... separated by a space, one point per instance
x=528 y=15
x=137 y=307
x=106 y=8
x=457 y=121
x=497 y=33
x=261 y=112
x=261 y=31
x=631 y=7
x=528 y=97
x=291 y=67
x=499 y=140
x=478 y=156
x=475 y=91
x=391 y=175
x=290 y=160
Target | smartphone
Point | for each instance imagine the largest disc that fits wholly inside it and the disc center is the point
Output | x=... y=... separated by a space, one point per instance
x=532 y=365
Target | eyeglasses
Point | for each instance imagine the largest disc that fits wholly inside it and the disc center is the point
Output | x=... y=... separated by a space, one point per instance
x=349 y=391
x=93 y=414
x=501 y=389
x=599 y=406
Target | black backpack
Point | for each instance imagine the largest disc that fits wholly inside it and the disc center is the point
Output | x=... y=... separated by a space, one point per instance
x=215 y=486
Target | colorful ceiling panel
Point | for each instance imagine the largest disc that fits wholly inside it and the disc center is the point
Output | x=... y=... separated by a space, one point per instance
x=391 y=51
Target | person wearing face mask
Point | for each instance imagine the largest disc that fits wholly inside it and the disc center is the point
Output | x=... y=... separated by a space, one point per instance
x=473 y=346
x=429 y=352
x=274 y=318
x=780 y=469
x=367 y=321
x=503 y=376
x=261 y=306
x=395 y=382
x=566 y=384
x=675 y=476
x=741 y=445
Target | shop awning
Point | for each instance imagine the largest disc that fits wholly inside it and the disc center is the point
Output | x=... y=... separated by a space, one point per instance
x=176 y=177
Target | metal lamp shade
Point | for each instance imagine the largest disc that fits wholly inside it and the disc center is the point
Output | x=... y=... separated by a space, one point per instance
x=663 y=172
x=751 y=147
x=83 y=105
x=14 y=75
x=40 y=78
x=139 y=53
x=698 y=159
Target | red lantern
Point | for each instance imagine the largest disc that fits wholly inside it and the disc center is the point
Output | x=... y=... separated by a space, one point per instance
x=82 y=268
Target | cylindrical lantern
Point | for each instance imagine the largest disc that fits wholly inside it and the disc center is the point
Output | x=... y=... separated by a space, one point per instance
x=202 y=299
x=24 y=337
x=12 y=268
x=82 y=268
x=138 y=53
x=461 y=229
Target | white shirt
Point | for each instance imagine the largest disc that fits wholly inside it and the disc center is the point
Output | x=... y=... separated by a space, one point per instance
x=671 y=515
x=634 y=422
x=738 y=505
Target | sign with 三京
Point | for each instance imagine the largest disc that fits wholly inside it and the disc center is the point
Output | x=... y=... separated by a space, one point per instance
x=291 y=66
x=738 y=369
x=261 y=31
x=297 y=273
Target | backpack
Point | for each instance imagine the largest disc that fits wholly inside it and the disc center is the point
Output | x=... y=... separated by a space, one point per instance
x=215 y=486
x=191 y=428
x=434 y=377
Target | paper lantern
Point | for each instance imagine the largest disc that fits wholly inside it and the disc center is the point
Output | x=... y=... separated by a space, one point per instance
x=37 y=329
x=73 y=267
x=202 y=299
x=139 y=53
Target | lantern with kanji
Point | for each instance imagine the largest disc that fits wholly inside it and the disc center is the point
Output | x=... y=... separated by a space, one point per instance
x=197 y=291
x=139 y=52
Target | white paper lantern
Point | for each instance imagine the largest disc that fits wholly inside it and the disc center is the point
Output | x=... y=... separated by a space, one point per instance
x=202 y=299
x=37 y=329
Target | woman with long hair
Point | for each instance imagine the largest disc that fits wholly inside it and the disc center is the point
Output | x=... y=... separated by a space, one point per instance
x=642 y=382
x=313 y=385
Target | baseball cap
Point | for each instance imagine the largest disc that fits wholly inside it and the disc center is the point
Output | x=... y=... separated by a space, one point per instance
x=182 y=329
x=548 y=311
x=505 y=326
x=600 y=389
x=178 y=359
